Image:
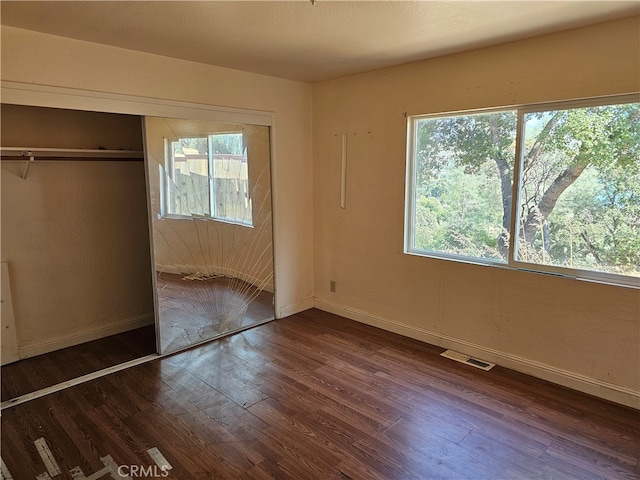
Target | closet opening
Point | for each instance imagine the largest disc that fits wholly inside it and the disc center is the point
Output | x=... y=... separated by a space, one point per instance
x=77 y=293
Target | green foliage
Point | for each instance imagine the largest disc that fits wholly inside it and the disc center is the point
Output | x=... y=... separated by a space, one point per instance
x=593 y=224
x=221 y=143
x=459 y=213
x=227 y=143
x=199 y=144
x=580 y=188
x=471 y=140
x=600 y=136
x=596 y=223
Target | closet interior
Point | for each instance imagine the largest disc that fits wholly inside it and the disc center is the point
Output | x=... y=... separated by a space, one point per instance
x=77 y=291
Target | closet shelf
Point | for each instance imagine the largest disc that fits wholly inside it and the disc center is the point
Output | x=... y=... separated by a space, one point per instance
x=30 y=155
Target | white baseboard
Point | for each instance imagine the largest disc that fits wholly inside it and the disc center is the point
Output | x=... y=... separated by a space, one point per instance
x=288 y=310
x=582 y=383
x=76 y=338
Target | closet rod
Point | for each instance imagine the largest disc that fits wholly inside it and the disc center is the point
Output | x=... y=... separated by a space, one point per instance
x=31 y=155
x=27 y=153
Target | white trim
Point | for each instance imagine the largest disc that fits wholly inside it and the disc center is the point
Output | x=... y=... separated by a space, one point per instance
x=274 y=214
x=582 y=383
x=76 y=381
x=88 y=335
x=410 y=186
x=343 y=173
x=61 y=97
x=534 y=107
x=288 y=310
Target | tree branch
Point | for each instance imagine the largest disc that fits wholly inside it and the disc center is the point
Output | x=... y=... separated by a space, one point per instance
x=591 y=247
x=550 y=197
x=534 y=151
x=506 y=177
x=558 y=186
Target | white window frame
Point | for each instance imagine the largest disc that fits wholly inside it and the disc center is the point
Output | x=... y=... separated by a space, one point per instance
x=166 y=187
x=512 y=262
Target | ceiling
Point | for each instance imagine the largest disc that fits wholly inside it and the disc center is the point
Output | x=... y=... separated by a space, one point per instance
x=302 y=41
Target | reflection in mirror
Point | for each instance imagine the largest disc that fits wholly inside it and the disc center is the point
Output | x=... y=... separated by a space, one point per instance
x=210 y=208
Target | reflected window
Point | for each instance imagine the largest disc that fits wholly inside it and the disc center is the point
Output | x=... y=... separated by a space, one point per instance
x=208 y=176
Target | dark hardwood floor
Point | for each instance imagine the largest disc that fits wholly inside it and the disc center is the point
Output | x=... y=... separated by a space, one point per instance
x=316 y=396
x=35 y=373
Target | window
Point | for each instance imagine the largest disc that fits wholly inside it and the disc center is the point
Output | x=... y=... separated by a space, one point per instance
x=552 y=188
x=208 y=177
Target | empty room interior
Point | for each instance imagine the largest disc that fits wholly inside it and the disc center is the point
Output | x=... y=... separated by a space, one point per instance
x=320 y=240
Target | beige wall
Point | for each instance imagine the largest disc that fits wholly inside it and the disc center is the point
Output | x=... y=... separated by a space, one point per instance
x=74 y=234
x=583 y=334
x=31 y=57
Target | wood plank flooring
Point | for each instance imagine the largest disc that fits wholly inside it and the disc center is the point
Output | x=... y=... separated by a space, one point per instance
x=316 y=396
x=35 y=373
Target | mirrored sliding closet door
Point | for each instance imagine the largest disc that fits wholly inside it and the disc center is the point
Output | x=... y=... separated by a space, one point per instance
x=209 y=186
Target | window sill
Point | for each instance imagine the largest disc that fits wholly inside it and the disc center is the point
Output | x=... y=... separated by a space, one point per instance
x=581 y=275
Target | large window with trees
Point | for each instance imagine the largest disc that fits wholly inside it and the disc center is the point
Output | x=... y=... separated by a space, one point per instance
x=552 y=188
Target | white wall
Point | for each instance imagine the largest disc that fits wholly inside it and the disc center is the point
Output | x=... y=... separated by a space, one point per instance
x=34 y=58
x=584 y=335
